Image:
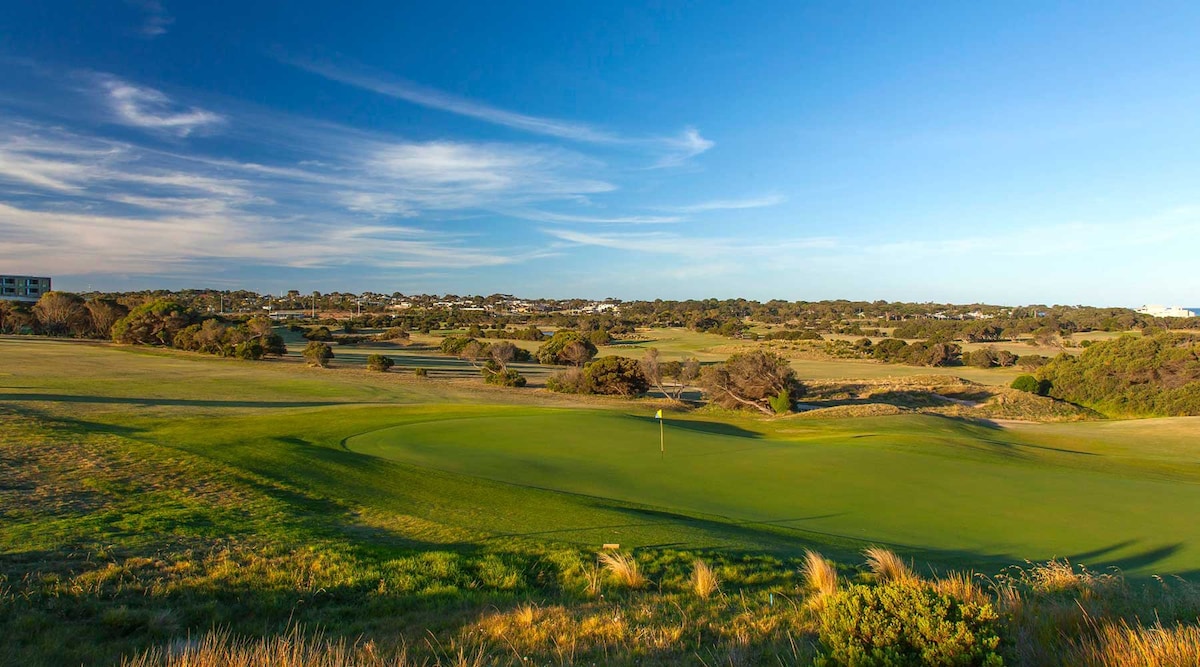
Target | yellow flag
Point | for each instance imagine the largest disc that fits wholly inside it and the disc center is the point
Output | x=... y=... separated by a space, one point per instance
x=658 y=415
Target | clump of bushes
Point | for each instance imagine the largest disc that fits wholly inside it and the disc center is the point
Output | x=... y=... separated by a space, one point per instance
x=379 y=363
x=901 y=624
x=612 y=375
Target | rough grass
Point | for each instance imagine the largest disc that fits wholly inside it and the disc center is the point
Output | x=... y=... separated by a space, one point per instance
x=623 y=569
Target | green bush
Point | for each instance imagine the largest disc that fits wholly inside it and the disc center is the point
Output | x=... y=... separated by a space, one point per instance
x=902 y=625
x=781 y=403
x=420 y=372
x=317 y=353
x=1026 y=383
x=379 y=362
x=504 y=378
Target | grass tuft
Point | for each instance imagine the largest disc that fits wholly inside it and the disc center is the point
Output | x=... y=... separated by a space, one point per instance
x=820 y=574
x=623 y=569
x=888 y=567
x=704 y=580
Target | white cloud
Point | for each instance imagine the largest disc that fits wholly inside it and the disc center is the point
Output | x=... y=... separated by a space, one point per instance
x=151 y=109
x=546 y=216
x=727 y=204
x=675 y=150
x=696 y=247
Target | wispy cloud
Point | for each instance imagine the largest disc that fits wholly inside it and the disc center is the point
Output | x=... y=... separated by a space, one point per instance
x=696 y=247
x=674 y=150
x=148 y=108
x=156 y=19
x=727 y=204
x=546 y=216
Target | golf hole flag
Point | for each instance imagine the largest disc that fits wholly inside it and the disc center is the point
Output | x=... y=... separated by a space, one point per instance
x=662 y=440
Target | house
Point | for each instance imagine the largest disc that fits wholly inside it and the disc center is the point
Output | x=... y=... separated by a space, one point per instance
x=23 y=288
x=1164 y=311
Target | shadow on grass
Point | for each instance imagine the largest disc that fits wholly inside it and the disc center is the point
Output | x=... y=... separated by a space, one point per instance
x=714 y=428
x=152 y=402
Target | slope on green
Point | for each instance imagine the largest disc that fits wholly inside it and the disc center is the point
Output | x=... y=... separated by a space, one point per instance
x=918 y=482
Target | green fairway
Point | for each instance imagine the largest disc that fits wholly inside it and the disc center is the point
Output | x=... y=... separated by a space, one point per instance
x=405 y=459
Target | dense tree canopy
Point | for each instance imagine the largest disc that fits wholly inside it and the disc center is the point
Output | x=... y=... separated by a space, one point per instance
x=1131 y=376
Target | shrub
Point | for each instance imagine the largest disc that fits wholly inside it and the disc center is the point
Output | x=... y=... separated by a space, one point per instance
x=503 y=378
x=781 y=403
x=901 y=625
x=420 y=372
x=619 y=376
x=379 y=363
x=273 y=344
x=319 y=334
x=1026 y=383
x=317 y=353
x=569 y=381
x=251 y=350
x=455 y=344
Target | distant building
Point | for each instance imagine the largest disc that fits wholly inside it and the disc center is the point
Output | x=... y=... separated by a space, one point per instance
x=23 y=288
x=1164 y=311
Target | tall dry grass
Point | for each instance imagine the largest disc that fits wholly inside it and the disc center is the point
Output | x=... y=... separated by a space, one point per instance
x=294 y=649
x=888 y=567
x=623 y=569
x=704 y=580
x=820 y=574
x=1120 y=645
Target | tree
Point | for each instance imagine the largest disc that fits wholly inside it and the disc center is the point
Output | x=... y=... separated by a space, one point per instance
x=61 y=313
x=614 y=375
x=317 y=353
x=103 y=314
x=273 y=344
x=379 y=363
x=657 y=372
x=578 y=352
x=153 y=323
x=14 y=317
x=751 y=380
x=553 y=351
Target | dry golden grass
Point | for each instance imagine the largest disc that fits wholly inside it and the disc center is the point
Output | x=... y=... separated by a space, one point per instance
x=704 y=580
x=623 y=569
x=820 y=574
x=1120 y=645
x=1057 y=576
x=962 y=586
x=888 y=567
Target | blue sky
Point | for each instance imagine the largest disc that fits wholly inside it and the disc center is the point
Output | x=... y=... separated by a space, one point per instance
x=1005 y=152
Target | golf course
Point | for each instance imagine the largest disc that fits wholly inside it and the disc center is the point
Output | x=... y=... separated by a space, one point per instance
x=142 y=482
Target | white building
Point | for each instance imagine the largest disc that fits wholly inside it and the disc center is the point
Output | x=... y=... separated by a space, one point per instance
x=1164 y=311
x=23 y=288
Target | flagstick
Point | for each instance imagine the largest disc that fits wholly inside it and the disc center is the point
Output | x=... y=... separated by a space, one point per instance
x=662 y=440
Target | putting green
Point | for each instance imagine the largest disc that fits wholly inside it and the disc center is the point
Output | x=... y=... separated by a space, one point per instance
x=926 y=483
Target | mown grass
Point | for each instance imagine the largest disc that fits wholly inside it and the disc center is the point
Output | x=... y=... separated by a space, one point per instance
x=149 y=497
